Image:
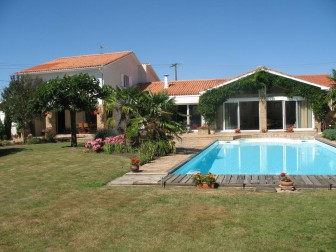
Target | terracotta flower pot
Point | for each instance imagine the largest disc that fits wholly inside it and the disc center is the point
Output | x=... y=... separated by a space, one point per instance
x=205 y=185
x=284 y=183
x=134 y=168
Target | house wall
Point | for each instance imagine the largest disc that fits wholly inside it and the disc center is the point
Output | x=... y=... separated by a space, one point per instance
x=2 y=116
x=39 y=126
x=111 y=74
x=80 y=117
x=130 y=66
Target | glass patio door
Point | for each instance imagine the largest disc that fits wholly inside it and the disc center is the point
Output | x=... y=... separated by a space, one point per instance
x=231 y=115
x=274 y=115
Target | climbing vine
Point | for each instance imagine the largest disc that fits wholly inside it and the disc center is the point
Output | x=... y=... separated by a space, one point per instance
x=211 y=99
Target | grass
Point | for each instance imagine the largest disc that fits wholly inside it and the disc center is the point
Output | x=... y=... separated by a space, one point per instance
x=53 y=197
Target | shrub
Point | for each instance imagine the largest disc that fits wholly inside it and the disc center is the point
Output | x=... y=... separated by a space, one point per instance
x=165 y=147
x=146 y=152
x=104 y=133
x=49 y=134
x=95 y=145
x=33 y=140
x=329 y=134
x=114 y=144
x=2 y=130
x=4 y=143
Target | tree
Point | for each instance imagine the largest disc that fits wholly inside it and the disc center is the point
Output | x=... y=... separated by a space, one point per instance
x=332 y=92
x=145 y=115
x=123 y=101
x=16 y=99
x=74 y=93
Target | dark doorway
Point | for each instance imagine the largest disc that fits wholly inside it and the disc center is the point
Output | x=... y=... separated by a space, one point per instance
x=61 y=122
x=274 y=115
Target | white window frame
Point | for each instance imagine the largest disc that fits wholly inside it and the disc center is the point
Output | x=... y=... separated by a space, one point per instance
x=238 y=100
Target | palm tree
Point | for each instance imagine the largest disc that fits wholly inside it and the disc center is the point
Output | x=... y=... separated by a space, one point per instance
x=154 y=117
x=123 y=101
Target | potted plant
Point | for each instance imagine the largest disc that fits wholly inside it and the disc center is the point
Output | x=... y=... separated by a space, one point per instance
x=285 y=180
x=237 y=130
x=204 y=181
x=135 y=165
x=290 y=129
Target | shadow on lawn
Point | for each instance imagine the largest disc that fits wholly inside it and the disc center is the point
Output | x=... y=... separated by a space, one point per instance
x=9 y=151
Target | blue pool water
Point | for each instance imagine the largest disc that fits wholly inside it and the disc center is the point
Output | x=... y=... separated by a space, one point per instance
x=264 y=156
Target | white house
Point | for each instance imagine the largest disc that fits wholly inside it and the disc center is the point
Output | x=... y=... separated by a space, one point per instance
x=114 y=69
x=249 y=111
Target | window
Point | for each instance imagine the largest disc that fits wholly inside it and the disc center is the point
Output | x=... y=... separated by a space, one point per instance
x=126 y=81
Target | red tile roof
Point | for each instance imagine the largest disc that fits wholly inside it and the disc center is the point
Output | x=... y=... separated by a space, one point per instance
x=194 y=87
x=93 y=60
x=321 y=79
x=182 y=87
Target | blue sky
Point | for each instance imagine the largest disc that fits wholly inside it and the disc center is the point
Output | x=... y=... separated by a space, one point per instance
x=209 y=38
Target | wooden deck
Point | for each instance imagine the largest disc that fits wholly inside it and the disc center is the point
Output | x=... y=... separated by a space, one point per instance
x=300 y=181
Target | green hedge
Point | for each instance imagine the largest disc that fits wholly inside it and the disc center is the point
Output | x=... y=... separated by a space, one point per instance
x=329 y=134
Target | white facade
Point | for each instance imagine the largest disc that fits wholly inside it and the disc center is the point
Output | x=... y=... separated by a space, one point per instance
x=111 y=74
x=125 y=72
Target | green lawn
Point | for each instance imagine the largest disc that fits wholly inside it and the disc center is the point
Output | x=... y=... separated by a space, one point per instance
x=53 y=197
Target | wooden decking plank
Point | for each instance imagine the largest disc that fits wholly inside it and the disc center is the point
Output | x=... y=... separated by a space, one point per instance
x=314 y=180
x=234 y=179
x=227 y=179
x=330 y=178
x=306 y=180
x=262 y=180
x=167 y=177
x=219 y=179
x=298 y=180
x=190 y=180
x=179 y=178
x=269 y=179
x=170 y=180
x=240 y=179
x=322 y=180
x=276 y=179
x=186 y=178
x=255 y=179
x=247 y=179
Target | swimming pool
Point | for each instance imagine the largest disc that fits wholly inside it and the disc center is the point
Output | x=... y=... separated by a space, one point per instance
x=264 y=156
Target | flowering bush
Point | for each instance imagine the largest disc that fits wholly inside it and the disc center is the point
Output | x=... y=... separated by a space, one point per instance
x=109 y=145
x=114 y=144
x=135 y=161
x=95 y=145
x=207 y=178
x=237 y=130
x=284 y=177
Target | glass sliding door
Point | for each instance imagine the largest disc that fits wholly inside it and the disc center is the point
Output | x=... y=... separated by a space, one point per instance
x=274 y=115
x=231 y=115
x=304 y=115
x=181 y=115
x=195 y=117
x=290 y=113
x=249 y=115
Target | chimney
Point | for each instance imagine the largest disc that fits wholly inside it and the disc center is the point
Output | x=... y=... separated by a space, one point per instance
x=166 y=85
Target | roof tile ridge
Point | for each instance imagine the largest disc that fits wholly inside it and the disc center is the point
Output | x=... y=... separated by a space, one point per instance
x=95 y=54
x=324 y=74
